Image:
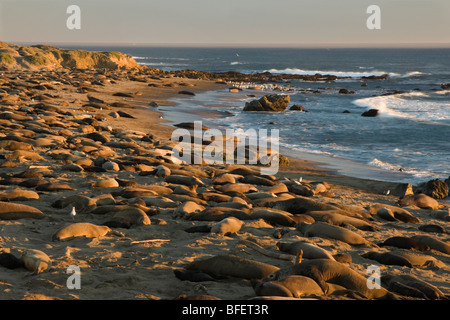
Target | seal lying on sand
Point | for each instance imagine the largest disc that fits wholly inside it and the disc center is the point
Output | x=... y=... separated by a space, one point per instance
x=292 y=286
x=309 y=250
x=325 y=230
x=325 y=271
x=233 y=266
x=419 y=200
x=82 y=229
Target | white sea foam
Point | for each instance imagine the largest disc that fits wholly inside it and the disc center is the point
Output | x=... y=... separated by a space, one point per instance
x=351 y=74
x=414 y=109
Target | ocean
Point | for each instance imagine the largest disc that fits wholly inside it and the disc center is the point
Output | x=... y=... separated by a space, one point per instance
x=409 y=140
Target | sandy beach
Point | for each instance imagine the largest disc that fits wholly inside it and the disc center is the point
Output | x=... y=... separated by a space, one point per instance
x=115 y=170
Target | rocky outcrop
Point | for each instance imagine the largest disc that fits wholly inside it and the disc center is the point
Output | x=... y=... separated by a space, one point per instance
x=270 y=102
x=50 y=58
x=370 y=113
x=436 y=189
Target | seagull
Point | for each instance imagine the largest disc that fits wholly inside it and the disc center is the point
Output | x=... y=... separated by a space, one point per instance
x=73 y=213
x=300 y=179
x=387 y=192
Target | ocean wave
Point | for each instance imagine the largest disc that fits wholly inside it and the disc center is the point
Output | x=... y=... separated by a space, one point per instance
x=236 y=63
x=416 y=109
x=352 y=74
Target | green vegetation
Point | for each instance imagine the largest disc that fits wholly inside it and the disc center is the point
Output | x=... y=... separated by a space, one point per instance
x=6 y=58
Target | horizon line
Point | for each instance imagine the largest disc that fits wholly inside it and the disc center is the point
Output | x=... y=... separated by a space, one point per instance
x=242 y=45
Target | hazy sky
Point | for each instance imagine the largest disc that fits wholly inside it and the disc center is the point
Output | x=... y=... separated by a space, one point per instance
x=224 y=22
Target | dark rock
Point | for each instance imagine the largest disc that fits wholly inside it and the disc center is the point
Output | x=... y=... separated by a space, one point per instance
x=345 y=91
x=370 y=113
x=123 y=94
x=346 y=111
x=270 y=102
x=436 y=189
x=189 y=93
x=297 y=107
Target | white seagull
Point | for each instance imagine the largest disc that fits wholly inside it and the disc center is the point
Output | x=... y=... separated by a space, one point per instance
x=73 y=213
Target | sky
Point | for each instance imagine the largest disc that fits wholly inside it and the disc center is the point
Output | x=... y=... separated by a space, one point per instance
x=267 y=23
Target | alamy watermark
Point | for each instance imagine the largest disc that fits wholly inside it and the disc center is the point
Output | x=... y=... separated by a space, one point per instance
x=374 y=20
x=235 y=146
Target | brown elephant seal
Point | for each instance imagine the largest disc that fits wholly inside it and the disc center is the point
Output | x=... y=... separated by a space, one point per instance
x=433 y=243
x=432 y=228
x=232 y=266
x=310 y=251
x=388 y=258
x=419 y=259
x=292 y=286
x=227 y=225
x=81 y=229
x=36 y=261
x=325 y=230
x=14 y=211
x=405 y=243
x=387 y=211
x=299 y=205
x=419 y=200
x=412 y=286
x=324 y=271
x=342 y=220
x=273 y=216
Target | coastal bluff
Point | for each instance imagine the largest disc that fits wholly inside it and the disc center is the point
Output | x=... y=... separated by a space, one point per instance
x=38 y=57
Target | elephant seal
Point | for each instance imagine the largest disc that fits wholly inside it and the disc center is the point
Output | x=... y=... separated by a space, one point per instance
x=273 y=216
x=292 y=286
x=81 y=229
x=419 y=200
x=388 y=258
x=342 y=220
x=232 y=266
x=411 y=286
x=398 y=213
x=14 y=211
x=325 y=230
x=36 y=261
x=405 y=243
x=418 y=259
x=433 y=243
x=310 y=251
x=299 y=205
x=432 y=228
x=227 y=225
x=325 y=271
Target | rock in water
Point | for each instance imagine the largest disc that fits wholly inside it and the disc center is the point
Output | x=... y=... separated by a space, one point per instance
x=270 y=102
x=370 y=113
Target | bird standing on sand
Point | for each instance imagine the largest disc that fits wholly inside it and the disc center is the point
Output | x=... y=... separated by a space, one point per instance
x=73 y=213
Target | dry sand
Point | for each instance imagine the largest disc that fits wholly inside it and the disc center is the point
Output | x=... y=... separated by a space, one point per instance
x=118 y=267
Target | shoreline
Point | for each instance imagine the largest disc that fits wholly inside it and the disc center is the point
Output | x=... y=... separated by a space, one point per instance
x=309 y=165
